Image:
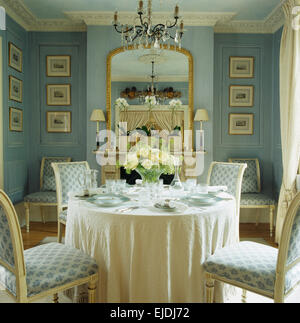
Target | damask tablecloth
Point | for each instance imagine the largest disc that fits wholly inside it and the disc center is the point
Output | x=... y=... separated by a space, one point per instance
x=146 y=256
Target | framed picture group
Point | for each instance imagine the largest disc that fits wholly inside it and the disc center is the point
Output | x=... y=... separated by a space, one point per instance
x=15 y=87
x=241 y=96
x=58 y=95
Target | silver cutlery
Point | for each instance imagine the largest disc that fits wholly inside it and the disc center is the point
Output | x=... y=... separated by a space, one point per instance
x=127 y=209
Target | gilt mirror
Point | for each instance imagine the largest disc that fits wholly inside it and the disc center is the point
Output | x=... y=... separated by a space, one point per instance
x=137 y=74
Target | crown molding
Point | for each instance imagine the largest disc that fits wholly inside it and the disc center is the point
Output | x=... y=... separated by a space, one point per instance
x=267 y=26
x=105 y=18
x=78 y=21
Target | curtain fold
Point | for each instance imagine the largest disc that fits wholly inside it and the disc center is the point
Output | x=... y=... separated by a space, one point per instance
x=289 y=110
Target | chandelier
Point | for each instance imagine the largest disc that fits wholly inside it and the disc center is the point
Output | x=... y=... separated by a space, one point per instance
x=142 y=33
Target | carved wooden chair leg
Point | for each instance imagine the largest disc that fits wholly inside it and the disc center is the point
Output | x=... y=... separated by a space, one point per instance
x=59 y=232
x=92 y=286
x=42 y=214
x=26 y=205
x=244 y=296
x=55 y=298
x=210 y=285
x=271 y=220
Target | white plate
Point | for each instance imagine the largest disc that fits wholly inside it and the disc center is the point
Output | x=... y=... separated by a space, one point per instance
x=108 y=200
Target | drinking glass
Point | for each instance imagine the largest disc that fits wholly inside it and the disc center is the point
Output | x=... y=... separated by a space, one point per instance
x=110 y=185
x=202 y=188
x=121 y=185
x=94 y=178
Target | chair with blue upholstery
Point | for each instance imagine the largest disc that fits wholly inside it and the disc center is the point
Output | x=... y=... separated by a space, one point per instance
x=229 y=175
x=252 y=196
x=67 y=178
x=259 y=268
x=43 y=270
x=47 y=194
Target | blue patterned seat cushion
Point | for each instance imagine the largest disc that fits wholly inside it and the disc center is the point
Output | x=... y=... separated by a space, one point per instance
x=49 y=266
x=250 y=263
x=256 y=199
x=41 y=197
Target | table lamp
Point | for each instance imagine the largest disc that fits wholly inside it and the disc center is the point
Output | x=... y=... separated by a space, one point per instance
x=201 y=115
x=98 y=116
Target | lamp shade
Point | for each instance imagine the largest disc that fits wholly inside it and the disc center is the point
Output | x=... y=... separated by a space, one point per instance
x=97 y=115
x=201 y=115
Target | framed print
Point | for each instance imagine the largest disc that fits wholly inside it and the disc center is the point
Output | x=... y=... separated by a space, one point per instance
x=15 y=57
x=57 y=66
x=59 y=94
x=241 y=123
x=15 y=89
x=241 y=95
x=241 y=67
x=15 y=119
x=58 y=121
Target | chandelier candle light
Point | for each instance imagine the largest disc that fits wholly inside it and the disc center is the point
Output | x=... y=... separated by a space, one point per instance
x=142 y=33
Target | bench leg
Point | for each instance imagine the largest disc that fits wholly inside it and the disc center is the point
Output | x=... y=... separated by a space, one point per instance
x=272 y=208
x=26 y=205
x=42 y=214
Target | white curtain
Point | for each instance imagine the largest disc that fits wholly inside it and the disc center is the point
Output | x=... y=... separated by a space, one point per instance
x=289 y=109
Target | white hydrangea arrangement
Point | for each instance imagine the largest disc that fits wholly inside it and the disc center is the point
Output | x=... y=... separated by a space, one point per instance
x=175 y=103
x=149 y=162
x=150 y=101
x=122 y=104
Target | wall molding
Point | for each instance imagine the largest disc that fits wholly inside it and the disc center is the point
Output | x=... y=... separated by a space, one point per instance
x=79 y=20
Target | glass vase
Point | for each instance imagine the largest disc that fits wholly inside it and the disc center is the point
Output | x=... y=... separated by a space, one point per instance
x=151 y=175
x=176 y=182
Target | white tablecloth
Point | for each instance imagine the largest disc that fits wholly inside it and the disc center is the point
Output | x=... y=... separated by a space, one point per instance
x=146 y=256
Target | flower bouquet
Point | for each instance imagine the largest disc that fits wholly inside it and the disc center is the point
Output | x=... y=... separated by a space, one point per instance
x=175 y=103
x=122 y=104
x=149 y=162
x=150 y=101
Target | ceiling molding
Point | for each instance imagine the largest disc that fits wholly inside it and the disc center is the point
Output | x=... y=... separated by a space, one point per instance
x=95 y=18
x=267 y=26
x=78 y=21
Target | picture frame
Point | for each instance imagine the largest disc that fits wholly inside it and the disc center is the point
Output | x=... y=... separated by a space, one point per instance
x=58 y=66
x=15 y=57
x=15 y=89
x=241 y=67
x=59 y=121
x=241 y=95
x=58 y=94
x=15 y=119
x=241 y=123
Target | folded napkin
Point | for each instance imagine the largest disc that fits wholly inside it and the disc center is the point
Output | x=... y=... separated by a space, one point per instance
x=214 y=189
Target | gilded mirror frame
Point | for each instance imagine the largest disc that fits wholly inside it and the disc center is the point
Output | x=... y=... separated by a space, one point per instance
x=190 y=80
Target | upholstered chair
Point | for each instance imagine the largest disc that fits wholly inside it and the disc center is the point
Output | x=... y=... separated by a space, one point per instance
x=43 y=270
x=67 y=178
x=259 y=268
x=252 y=196
x=47 y=194
x=229 y=175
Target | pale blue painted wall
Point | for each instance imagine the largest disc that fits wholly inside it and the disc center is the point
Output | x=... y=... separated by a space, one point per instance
x=102 y=39
x=258 y=145
x=15 y=143
x=43 y=143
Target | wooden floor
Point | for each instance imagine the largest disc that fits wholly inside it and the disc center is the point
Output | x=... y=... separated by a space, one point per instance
x=38 y=231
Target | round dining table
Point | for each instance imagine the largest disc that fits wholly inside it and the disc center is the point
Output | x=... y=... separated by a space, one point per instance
x=148 y=255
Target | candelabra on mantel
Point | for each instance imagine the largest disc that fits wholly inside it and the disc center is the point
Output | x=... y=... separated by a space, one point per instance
x=201 y=115
x=142 y=33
